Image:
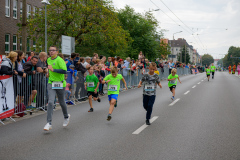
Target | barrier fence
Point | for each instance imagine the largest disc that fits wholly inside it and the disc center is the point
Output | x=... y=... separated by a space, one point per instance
x=30 y=92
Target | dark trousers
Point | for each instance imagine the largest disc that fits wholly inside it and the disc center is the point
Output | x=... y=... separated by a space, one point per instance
x=148 y=102
x=213 y=74
x=170 y=70
x=77 y=90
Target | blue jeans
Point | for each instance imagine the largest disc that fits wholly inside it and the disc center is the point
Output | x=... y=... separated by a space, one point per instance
x=68 y=93
x=148 y=102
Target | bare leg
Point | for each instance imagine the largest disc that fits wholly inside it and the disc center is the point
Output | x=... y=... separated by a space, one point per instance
x=34 y=92
x=112 y=103
x=173 y=92
x=90 y=101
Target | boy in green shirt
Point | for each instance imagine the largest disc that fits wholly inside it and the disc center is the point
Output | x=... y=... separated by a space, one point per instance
x=91 y=85
x=113 y=81
x=208 y=72
x=172 y=81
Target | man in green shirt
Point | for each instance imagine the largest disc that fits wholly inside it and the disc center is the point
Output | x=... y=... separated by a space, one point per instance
x=208 y=72
x=91 y=85
x=56 y=85
x=213 y=68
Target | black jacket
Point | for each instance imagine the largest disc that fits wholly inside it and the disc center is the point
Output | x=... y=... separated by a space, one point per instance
x=6 y=67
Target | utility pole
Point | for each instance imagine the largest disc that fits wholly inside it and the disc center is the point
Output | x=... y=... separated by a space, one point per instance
x=185 y=54
x=24 y=26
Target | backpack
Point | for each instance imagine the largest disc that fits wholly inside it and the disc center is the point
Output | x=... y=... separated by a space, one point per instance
x=20 y=109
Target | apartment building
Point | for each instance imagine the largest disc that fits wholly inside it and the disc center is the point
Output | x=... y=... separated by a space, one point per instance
x=10 y=16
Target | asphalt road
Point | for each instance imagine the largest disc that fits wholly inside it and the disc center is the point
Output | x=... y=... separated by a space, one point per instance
x=204 y=124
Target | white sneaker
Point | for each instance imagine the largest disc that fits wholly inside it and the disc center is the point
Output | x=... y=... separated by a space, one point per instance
x=47 y=127
x=66 y=121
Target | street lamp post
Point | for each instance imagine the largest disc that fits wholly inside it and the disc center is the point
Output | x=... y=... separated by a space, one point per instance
x=173 y=39
x=45 y=2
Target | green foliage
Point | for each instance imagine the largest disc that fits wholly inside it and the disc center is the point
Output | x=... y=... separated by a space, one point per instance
x=94 y=24
x=143 y=31
x=207 y=59
x=183 y=49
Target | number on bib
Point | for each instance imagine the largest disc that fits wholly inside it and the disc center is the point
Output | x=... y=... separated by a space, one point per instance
x=173 y=81
x=112 y=87
x=90 y=84
x=57 y=85
x=149 y=87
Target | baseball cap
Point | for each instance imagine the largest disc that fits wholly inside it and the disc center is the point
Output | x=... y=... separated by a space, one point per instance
x=120 y=60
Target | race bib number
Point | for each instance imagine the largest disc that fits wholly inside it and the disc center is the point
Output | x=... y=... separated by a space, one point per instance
x=90 y=84
x=149 y=88
x=57 y=85
x=173 y=81
x=208 y=71
x=112 y=88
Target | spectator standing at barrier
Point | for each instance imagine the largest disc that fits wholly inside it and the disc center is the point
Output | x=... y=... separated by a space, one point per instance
x=120 y=65
x=8 y=68
x=126 y=70
x=150 y=81
x=140 y=55
x=19 y=87
x=76 y=58
x=56 y=85
x=109 y=64
x=41 y=79
x=87 y=62
x=80 y=81
x=30 y=92
x=31 y=55
x=95 y=55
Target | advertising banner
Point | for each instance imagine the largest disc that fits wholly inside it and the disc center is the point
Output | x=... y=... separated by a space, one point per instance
x=6 y=96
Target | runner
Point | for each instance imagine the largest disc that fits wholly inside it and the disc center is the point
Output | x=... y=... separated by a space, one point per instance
x=172 y=82
x=91 y=85
x=208 y=72
x=213 y=68
x=238 y=68
x=229 y=69
x=56 y=85
x=150 y=81
x=113 y=81
x=234 y=69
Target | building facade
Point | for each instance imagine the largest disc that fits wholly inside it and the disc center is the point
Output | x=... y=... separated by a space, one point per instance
x=10 y=17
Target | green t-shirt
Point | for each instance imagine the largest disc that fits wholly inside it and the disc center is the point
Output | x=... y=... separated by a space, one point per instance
x=114 y=84
x=57 y=63
x=173 y=82
x=213 y=68
x=92 y=82
x=208 y=71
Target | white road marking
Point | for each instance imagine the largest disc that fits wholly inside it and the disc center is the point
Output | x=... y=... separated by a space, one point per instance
x=202 y=80
x=199 y=82
x=194 y=86
x=139 y=130
x=186 y=92
x=174 y=102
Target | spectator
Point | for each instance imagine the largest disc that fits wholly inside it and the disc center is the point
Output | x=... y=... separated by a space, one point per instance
x=109 y=64
x=170 y=66
x=80 y=81
x=87 y=62
x=41 y=84
x=140 y=56
x=76 y=59
x=71 y=60
x=120 y=65
x=126 y=70
x=117 y=61
x=31 y=55
x=95 y=55
x=93 y=61
x=8 y=68
x=61 y=55
x=67 y=91
x=30 y=69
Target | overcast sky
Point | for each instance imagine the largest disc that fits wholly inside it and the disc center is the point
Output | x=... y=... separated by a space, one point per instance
x=215 y=23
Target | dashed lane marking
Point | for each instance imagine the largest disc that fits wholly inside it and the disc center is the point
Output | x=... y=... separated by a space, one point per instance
x=139 y=130
x=194 y=86
x=174 y=102
x=202 y=80
x=186 y=92
x=199 y=82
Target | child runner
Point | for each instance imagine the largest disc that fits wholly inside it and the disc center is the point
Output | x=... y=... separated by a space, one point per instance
x=113 y=81
x=91 y=85
x=208 y=72
x=150 y=81
x=213 y=68
x=172 y=81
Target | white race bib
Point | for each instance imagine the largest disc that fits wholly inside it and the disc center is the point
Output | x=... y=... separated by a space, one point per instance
x=57 y=85
x=149 y=87
x=90 y=84
x=173 y=81
x=112 y=87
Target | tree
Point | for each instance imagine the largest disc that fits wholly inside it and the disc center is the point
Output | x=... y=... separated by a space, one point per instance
x=207 y=59
x=143 y=31
x=184 y=60
x=94 y=24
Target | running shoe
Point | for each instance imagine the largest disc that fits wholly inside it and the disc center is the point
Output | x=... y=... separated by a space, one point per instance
x=47 y=127
x=66 y=121
x=148 y=122
x=172 y=98
x=115 y=104
x=90 y=110
x=109 y=117
x=99 y=100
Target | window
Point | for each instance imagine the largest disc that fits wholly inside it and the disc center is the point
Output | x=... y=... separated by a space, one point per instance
x=7 y=8
x=15 y=9
x=28 y=11
x=34 y=11
x=7 y=43
x=21 y=9
x=20 y=43
x=14 y=42
x=28 y=44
